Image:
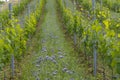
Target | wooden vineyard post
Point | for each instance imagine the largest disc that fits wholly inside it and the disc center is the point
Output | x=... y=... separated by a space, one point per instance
x=94 y=42
x=5 y=76
x=38 y=2
x=75 y=38
x=28 y=10
x=10 y=10
x=12 y=56
x=75 y=35
x=0 y=8
x=95 y=59
x=65 y=4
x=35 y=4
x=93 y=9
x=0 y=22
x=101 y=5
x=12 y=67
x=1 y=26
x=29 y=36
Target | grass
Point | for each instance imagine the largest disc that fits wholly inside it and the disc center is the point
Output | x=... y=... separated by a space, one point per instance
x=52 y=57
x=1 y=2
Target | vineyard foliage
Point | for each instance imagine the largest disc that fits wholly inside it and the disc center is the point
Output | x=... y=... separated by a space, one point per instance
x=113 y=5
x=13 y=38
x=97 y=29
x=103 y=11
x=102 y=32
x=4 y=16
x=1 y=2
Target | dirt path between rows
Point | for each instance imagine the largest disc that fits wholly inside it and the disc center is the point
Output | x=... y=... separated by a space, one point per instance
x=52 y=56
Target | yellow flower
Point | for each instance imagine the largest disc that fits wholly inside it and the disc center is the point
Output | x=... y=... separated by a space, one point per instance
x=84 y=33
x=112 y=33
x=117 y=25
x=98 y=28
x=119 y=35
x=81 y=9
x=1 y=43
x=106 y=23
